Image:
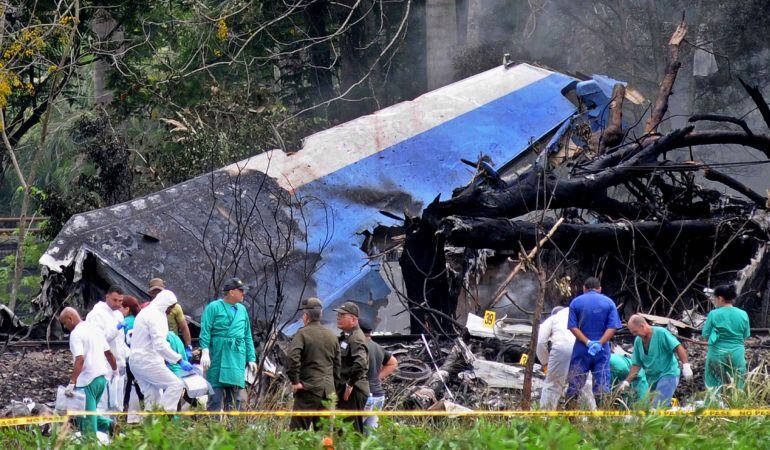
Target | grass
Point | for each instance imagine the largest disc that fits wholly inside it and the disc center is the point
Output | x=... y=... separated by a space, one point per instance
x=642 y=432
x=656 y=432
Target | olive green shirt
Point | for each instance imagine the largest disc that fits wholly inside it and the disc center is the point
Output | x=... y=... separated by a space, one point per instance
x=355 y=360
x=175 y=317
x=314 y=359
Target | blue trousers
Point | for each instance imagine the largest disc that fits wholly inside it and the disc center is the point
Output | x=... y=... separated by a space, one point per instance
x=581 y=363
x=663 y=390
x=227 y=395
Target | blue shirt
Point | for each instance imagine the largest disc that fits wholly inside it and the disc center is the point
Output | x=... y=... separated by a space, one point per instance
x=593 y=313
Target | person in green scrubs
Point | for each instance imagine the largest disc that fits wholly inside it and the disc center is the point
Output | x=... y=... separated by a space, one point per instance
x=178 y=346
x=94 y=362
x=227 y=346
x=726 y=329
x=620 y=366
x=654 y=351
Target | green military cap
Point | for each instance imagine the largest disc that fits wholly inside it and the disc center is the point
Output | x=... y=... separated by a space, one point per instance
x=311 y=303
x=348 y=308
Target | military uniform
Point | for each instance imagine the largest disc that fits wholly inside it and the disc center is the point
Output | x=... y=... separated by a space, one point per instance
x=354 y=370
x=314 y=361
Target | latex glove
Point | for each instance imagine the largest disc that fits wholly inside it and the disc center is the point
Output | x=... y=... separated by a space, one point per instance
x=186 y=366
x=188 y=351
x=253 y=366
x=687 y=371
x=122 y=325
x=594 y=347
x=205 y=359
x=69 y=391
x=623 y=386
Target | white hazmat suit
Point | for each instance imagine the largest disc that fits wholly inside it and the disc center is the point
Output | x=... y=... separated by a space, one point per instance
x=554 y=330
x=149 y=352
x=107 y=320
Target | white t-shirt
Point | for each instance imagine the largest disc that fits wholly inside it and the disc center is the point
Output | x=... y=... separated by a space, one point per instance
x=88 y=341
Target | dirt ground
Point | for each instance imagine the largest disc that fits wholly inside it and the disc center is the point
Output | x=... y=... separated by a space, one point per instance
x=34 y=374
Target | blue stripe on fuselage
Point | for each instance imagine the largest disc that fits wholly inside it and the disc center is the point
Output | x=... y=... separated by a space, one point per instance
x=421 y=167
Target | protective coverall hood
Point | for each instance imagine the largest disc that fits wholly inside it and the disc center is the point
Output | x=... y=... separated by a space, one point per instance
x=163 y=301
x=151 y=329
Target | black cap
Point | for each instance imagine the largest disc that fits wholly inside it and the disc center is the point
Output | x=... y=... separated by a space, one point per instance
x=348 y=308
x=233 y=283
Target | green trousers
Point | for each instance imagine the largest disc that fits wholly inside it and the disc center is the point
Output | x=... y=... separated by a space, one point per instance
x=725 y=365
x=89 y=425
x=306 y=401
x=355 y=402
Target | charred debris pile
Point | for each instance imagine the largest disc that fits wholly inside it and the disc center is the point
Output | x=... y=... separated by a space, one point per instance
x=644 y=210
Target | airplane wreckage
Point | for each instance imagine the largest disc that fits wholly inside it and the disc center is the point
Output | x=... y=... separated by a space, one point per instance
x=420 y=211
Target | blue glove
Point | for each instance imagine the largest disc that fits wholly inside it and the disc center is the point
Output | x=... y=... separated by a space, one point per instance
x=122 y=325
x=594 y=347
x=188 y=351
x=186 y=366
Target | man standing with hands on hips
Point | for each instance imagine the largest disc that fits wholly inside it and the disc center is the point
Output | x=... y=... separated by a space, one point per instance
x=227 y=346
x=353 y=385
x=314 y=364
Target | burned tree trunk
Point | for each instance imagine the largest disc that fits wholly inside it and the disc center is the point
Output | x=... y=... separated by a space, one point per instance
x=508 y=234
x=623 y=201
x=613 y=134
x=667 y=85
x=425 y=278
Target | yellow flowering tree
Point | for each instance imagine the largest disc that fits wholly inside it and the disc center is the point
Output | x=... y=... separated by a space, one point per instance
x=38 y=57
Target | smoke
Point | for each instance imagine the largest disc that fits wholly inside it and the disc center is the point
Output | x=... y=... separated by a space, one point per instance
x=522 y=292
x=628 y=41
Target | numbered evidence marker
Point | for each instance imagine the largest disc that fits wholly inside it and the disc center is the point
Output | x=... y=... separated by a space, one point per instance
x=489 y=319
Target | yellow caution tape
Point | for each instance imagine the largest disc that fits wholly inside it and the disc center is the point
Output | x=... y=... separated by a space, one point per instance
x=18 y=421
x=34 y=420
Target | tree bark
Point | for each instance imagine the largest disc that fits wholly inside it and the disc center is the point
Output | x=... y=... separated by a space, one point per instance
x=526 y=194
x=102 y=26
x=508 y=234
x=759 y=99
x=27 y=192
x=529 y=367
x=669 y=77
x=719 y=177
x=612 y=135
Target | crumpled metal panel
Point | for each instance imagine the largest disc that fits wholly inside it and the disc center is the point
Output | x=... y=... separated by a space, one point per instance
x=397 y=159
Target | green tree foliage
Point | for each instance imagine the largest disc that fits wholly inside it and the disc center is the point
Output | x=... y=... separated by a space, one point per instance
x=192 y=86
x=30 y=282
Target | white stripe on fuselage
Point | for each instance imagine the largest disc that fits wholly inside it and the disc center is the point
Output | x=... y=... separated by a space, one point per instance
x=330 y=150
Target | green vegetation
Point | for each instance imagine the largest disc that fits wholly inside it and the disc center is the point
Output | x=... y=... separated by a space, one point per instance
x=647 y=432
x=34 y=247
